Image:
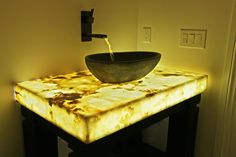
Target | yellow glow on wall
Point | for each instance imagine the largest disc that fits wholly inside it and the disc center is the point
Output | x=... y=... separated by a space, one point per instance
x=89 y=109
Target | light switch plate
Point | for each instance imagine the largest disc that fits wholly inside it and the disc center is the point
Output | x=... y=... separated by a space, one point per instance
x=193 y=38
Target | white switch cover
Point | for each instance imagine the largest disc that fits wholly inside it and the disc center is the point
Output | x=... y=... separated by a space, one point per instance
x=147 y=33
x=195 y=38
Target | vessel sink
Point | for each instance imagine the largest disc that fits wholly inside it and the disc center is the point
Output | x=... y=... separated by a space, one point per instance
x=127 y=66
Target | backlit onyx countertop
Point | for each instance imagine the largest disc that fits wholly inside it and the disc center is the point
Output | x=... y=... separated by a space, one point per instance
x=88 y=109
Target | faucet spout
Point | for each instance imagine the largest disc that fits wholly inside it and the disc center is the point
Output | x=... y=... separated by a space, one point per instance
x=98 y=35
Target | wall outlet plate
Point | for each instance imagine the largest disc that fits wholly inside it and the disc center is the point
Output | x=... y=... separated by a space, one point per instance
x=147 y=34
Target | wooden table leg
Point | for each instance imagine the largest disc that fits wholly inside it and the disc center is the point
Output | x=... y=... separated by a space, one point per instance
x=38 y=141
x=182 y=130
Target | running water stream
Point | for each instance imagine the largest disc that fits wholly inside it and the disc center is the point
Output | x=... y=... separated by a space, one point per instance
x=110 y=49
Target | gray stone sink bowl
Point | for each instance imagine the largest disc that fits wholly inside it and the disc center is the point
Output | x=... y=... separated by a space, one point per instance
x=128 y=66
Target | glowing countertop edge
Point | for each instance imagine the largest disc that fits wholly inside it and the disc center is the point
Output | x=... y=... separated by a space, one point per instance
x=88 y=109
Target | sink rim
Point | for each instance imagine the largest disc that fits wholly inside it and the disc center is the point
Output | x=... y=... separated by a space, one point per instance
x=150 y=55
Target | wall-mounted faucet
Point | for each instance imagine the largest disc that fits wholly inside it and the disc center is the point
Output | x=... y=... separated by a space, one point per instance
x=87 y=20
